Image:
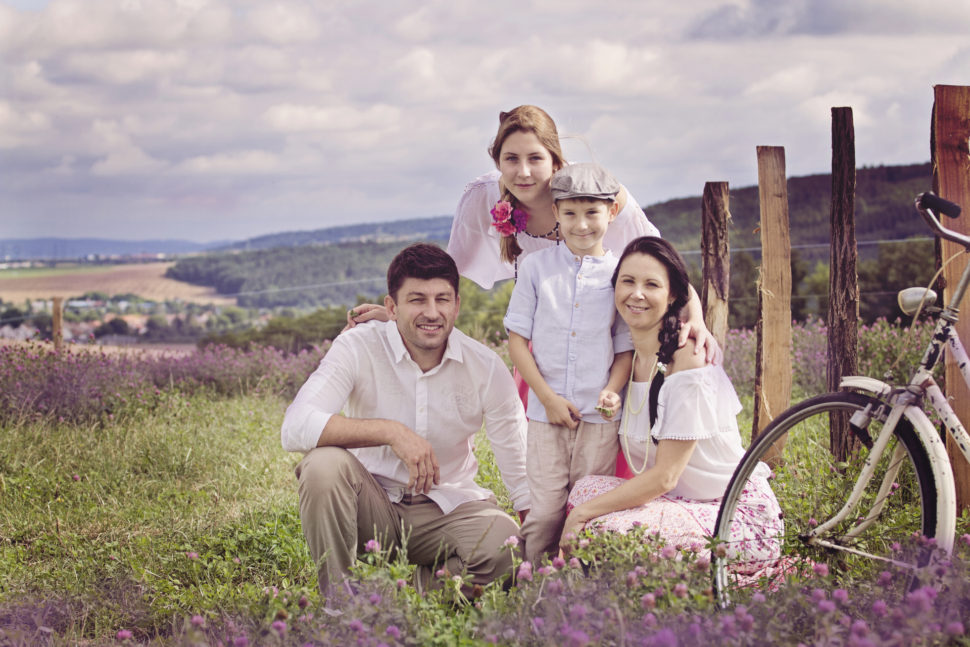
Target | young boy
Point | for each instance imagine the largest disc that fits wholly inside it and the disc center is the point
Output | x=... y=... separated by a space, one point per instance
x=580 y=359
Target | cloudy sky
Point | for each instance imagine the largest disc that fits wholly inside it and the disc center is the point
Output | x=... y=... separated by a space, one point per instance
x=215 y=119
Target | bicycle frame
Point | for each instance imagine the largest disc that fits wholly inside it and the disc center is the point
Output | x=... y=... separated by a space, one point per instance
x=908 y=402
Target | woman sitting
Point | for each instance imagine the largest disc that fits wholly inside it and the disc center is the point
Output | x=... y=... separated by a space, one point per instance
x=679 y=426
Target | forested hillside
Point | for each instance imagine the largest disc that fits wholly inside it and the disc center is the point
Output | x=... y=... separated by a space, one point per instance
x=302 y=276
x=884 y=210
x=308 y=273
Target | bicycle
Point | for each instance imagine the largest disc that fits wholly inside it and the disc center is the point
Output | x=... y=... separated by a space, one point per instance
x=840 y=518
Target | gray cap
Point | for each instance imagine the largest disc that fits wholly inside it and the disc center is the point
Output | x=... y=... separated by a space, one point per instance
x=585 y=180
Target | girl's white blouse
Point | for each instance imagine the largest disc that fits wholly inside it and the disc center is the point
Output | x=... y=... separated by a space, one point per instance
x=474 y=243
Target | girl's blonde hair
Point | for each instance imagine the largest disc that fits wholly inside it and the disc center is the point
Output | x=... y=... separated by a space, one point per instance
x=528 y=119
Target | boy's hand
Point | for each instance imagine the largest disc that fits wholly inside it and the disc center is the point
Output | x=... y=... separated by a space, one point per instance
x=561 y=411
x=703 y=340
x=609 y=404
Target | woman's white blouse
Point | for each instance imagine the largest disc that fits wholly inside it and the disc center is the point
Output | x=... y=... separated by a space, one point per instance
x=697 y=404
x=474 y=243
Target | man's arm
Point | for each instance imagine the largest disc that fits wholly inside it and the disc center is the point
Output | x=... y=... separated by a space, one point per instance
x=413 y=450
x=313 y=419
x=505 y=426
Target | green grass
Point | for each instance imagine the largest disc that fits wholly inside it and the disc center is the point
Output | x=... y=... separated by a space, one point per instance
x=106 y=519
x=191 y=509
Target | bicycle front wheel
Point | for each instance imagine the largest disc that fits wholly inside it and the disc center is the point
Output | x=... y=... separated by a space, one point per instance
x=895 y=511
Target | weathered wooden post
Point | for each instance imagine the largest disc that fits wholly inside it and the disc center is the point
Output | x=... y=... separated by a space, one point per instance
x=57 y=323
x=716 y=258
x=951 y=180
x=772 y=382
x=843 y=310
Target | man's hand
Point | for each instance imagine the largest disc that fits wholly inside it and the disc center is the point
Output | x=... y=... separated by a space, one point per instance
x=418 y=456
x=365 y=312
x=561 y=411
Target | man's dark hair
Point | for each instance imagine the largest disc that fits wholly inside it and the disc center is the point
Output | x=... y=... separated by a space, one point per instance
x=421 y=261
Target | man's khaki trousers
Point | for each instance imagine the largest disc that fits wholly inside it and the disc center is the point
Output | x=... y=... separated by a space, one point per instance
x=342 y=507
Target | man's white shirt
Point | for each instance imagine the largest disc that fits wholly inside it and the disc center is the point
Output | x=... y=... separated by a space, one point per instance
x=368 y=373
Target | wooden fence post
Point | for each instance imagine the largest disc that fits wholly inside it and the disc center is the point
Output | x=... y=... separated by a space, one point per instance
x=772 y=382
x=57 y=323
x=716 y=258
x=843 y=310
x=951 y=180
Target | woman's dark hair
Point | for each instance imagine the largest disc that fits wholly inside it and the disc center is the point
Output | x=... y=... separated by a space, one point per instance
x=421 y=261
x=678 y=283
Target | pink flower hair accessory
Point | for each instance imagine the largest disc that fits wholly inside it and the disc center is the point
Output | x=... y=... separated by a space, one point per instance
x=506 y=220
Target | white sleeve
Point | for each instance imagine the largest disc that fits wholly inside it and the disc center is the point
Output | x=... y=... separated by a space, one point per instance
x=520 y=314
x=323 y=394
x=505 y=426
x=474 y=243
x=696 y=404
x=629 y=224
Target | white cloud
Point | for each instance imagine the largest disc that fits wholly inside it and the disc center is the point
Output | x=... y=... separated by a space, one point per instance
x=284 y=22
x=255 y=113
x=237 y=163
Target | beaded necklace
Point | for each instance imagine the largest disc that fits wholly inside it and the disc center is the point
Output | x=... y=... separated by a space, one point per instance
x=629 y=411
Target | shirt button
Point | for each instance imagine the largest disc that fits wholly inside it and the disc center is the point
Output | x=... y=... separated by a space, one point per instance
x=577 y=305
x=573 y=333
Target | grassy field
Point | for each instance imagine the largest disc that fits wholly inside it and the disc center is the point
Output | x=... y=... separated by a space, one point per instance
x=170 y=518
x=147 y=280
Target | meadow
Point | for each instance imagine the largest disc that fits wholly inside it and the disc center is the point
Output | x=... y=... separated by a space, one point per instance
x=71 y=280
x=145 y=499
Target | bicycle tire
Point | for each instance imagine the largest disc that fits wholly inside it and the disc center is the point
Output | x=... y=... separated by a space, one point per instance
x=808 y=497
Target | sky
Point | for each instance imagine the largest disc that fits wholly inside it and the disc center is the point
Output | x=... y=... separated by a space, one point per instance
x=211 y=120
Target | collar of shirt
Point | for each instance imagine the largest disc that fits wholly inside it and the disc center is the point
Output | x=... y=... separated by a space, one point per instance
x=399 y=351
x=567 y=254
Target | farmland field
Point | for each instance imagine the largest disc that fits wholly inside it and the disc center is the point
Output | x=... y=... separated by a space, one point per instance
x=147 y=280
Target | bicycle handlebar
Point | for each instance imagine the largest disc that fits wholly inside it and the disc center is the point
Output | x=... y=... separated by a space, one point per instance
x=929 y=204
x=930 y=200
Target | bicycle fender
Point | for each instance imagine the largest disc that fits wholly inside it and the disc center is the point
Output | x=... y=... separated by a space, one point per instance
x=863 y=383
x=946 y=496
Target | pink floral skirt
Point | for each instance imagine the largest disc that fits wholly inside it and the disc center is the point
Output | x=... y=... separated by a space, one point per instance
x=683 y=522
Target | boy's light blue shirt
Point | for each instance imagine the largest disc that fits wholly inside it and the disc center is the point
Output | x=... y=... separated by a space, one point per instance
x=564 y=304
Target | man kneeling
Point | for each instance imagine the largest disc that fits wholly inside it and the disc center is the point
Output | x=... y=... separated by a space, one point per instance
x=398 y=465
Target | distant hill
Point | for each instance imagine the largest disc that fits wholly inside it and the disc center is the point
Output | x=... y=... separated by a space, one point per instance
x=884 y=210
x=25 y=249
x=338 y=265
x=434 y=228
